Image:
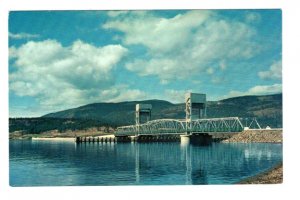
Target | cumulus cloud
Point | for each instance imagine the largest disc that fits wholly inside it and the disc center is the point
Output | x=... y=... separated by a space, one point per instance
x=175 y=96
x=165 y=68
x=275 y=71
x=158 y=34
x=171 y=95
x=257 y=90
x=19 y=36
x=60 y=77
x=186 y=44
x=129 y=95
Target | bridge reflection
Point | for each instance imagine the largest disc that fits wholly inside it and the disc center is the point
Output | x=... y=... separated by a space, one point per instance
x=191 y=164
x=157 y=166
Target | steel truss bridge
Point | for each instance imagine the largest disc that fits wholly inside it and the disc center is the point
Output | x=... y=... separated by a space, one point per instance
x=178 y=126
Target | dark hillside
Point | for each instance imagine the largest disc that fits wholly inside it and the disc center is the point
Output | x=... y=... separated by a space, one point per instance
x=267 y=109
x=117 y=113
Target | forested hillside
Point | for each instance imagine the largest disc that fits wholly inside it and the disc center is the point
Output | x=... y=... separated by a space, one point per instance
x=267 y=109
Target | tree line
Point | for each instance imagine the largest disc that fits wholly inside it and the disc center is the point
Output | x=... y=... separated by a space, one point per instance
x=41 y=124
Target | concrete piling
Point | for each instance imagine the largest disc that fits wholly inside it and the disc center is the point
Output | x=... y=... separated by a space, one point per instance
x=98 y=139
x=155 y=138
x=200 y=138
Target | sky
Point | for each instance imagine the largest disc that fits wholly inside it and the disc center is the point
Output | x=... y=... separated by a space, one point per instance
x=65 y=59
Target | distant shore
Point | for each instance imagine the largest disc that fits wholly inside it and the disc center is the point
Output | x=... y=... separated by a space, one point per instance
x=55 y=139
x=55 y=135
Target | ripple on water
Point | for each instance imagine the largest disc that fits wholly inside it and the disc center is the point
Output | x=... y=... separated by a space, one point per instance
x=47 y=163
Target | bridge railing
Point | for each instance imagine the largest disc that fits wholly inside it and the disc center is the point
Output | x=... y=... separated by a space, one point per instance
x=177 y=126
x=160 y=126
x=227 y=124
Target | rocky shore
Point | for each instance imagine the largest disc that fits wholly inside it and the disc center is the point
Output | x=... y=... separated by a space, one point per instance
x=265 y=135
x=272 y=176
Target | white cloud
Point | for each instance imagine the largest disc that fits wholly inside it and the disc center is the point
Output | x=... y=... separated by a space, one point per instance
x=223 y=65
x=60 y=77
x=186 y=44
x=28 y=111
x=217 y=80
x=158 y=34
x=19 y=36
x=252 y=17
x=175 y=96
x=266 y=89
x=171 y=95
x=116 y=13
x=257 y=90
x=165 y=68
x=275 y=71
x=129 y=95
x=210 y=70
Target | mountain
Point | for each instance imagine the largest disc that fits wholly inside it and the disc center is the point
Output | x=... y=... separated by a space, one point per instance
x=267 y=109
x=114 y=113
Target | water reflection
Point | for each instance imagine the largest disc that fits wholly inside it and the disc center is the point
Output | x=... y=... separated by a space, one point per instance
x=60 y=163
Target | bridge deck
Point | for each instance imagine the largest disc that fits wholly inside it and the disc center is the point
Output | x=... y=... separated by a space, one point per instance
x=179 y=126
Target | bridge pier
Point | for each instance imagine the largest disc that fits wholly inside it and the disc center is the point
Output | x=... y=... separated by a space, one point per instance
x=184 y=140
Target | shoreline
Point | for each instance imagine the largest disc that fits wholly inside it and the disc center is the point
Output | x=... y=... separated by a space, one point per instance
x=256 y=136
x=246 y=136
x=70 y=139
x=271 y=176
x=67 y=139
x=49 y=136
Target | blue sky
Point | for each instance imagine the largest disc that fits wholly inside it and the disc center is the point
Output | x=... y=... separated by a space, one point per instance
x=65 y=59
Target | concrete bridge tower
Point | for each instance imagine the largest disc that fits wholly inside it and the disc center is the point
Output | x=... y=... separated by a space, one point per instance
x=142 y=113
x=195 y=108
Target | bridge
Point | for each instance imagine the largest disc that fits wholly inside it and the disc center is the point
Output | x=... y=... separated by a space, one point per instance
x=195 y=123
x=177 y=126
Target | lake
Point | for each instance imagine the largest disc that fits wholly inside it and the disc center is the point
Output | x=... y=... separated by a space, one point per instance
x=61 y=163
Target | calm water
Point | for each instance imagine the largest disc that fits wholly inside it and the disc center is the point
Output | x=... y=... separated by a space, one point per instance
x=48 y=163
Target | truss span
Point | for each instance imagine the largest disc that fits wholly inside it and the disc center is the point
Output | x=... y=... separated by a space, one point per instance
x=176 y=126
